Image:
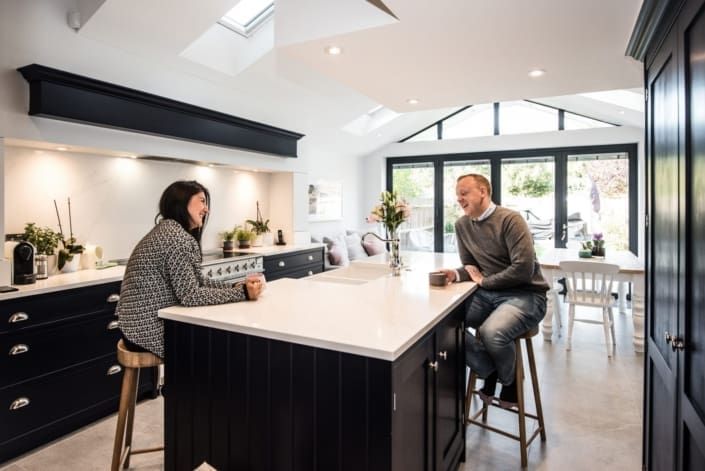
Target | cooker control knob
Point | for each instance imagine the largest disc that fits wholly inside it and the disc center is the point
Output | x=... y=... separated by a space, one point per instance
x=237 y=267
x=219 y=271
x=228 y=270
x=210 y=273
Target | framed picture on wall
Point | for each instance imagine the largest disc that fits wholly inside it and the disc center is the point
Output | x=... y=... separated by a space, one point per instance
x=325 y=200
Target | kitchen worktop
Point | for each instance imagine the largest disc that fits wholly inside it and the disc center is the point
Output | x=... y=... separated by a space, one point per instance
x=64 y=281
x=90 y=277
x=361 y=309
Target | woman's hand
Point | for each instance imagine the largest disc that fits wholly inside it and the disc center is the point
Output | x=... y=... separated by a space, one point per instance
x=254 y=283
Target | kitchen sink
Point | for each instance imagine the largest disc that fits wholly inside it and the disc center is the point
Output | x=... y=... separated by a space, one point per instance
x=354 y=274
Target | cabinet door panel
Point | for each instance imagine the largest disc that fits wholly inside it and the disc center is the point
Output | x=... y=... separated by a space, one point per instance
x=449 y=391
x=662 y=259
x=692 y=322
x=412 y=418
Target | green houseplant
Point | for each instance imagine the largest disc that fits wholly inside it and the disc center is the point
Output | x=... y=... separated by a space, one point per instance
x=228 y=240
x=244 y=236
x=44 y=239
x=71 y=248
x=260 y=226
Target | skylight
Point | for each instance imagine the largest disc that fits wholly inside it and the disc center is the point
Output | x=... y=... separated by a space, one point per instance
x=624 y=98
x=247 y=15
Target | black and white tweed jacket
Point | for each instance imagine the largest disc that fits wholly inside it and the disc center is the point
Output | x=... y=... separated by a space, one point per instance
x=164 y=270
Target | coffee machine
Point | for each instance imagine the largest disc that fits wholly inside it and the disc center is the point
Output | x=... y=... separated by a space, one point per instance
x=23 y=264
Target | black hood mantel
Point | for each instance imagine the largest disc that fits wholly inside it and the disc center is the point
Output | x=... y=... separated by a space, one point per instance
x=62 y=95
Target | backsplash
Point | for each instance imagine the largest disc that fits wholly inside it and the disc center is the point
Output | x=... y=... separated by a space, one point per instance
x=114 y=199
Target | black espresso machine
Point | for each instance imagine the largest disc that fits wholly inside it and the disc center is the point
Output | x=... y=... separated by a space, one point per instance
x=23 y=264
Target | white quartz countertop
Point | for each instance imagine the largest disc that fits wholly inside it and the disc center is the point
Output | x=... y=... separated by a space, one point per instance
x=65 y=281
x=360 y=310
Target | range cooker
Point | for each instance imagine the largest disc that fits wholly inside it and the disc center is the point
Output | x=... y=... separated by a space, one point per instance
x=230 y=266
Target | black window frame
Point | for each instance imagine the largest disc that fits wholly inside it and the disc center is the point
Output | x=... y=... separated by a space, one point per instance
x=560 y=154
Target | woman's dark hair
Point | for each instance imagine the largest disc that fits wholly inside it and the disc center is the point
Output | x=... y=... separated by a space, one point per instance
x=174 y=205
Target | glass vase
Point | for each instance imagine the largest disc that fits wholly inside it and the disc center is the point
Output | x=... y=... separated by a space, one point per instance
x=394 y=255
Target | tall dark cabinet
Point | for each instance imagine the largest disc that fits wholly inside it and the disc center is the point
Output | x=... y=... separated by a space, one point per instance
x=670 y=38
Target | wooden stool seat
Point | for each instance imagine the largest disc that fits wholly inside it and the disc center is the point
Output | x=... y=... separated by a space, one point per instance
x=521 y=412
x=131 y=362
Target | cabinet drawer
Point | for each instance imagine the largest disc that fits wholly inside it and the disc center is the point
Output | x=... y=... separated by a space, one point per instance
x=276 y=265
x=273 y=263
x=35 y=352
x=31 y=311
x=34 y=404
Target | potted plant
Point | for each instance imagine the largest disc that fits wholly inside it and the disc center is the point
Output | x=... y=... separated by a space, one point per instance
x=45 y=242
x=70 y=254
x=244 y=236
x=259 y=227
x=228 y=240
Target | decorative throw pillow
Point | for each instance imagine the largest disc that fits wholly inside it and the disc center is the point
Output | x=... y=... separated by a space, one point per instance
x=338 y=254
x=355 y=249
x=373 y=246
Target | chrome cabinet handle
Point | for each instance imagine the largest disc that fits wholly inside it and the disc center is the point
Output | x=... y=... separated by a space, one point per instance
x=113 y=370
x=676 y=342
x=113 y=298
x=443 y=354
x=281 y=263
x=112 y=325
x=18 y=349
x=433 y=365
x=18 y=317
x=310 y=272
x=310 y=258
x=19 y=403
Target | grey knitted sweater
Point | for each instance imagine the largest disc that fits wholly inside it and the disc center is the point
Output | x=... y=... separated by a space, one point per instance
x=164 y=270
x=502 y=248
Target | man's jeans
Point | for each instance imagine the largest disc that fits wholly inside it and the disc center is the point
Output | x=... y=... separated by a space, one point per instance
x=500 y=317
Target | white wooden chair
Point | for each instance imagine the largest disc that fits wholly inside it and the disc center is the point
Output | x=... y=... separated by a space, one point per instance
x=590 y=284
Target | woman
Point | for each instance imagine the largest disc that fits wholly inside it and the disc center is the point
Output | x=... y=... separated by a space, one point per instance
x=165 y=269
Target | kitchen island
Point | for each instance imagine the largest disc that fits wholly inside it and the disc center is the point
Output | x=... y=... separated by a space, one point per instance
x=349 y=369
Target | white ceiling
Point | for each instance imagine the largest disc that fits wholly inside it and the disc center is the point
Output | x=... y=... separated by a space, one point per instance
x=445 y=53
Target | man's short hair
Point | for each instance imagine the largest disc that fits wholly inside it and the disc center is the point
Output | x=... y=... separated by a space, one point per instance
x=480 y=180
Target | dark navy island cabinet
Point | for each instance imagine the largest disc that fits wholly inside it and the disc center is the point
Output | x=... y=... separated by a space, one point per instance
x=240 y=401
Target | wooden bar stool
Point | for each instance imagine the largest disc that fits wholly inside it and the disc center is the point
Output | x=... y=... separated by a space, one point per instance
x=131 y=362
x=521 y=412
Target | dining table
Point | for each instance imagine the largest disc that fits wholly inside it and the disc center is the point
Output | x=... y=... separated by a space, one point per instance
x=631 y=271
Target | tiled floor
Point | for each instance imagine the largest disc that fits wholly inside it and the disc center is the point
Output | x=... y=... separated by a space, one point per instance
x=592 y=406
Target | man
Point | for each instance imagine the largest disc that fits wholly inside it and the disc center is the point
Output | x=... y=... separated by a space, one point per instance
x=497 y=252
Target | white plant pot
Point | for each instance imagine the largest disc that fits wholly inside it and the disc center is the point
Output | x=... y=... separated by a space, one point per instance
x=257 y=242
x=268 y=239
x=73 y=265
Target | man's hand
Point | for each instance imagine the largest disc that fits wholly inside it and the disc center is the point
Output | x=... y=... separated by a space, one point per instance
x=450 y=274
x=475 y=274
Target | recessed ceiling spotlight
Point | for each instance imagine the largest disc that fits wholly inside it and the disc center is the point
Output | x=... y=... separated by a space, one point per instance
x=334 y=50
x=62 y=149
x=537 y=73
x=412 y=101
x=620 y=111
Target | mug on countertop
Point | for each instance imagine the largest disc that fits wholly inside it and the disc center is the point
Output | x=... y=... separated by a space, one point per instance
x=437 y=278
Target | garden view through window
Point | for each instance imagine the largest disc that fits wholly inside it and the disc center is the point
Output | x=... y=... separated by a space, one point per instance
x=594 y=196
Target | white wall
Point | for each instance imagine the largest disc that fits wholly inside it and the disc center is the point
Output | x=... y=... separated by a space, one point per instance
x=114 y=200
x=374 y=165
x=36 y=32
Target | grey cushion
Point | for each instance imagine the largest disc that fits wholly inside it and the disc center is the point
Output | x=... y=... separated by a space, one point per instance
x=355 y=249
